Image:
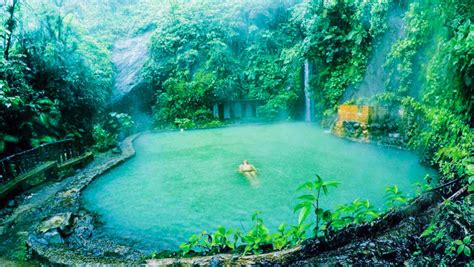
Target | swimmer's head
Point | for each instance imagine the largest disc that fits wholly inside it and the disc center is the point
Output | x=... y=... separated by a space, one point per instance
x=245 y=161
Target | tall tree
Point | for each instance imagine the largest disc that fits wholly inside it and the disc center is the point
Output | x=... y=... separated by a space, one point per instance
x=10 y=26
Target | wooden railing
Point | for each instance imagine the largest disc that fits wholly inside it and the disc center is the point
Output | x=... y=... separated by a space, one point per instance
x=18 y=164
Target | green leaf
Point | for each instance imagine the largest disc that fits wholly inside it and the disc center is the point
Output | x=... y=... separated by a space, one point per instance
x=331 y=183
x=327 y=216
x=255 y=215
x=304 y=212
x=319 y=212
x=470 y=188
x=467 y=251
x=307 y=185
x=325 y=189
x=428 y=231
x=44 y=119
x=467 y=240
x=302 y=205
x=221 y=230
x=470 y=169
x=460 y=249
x=458 y=242
x=319 y=179
x=307 y=197
x=10 y=139
x=45 y=101
x=373 y=213
x=281 y=228
x=47 y=139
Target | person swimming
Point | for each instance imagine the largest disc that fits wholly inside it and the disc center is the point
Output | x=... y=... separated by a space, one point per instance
x=248 y=169
x=250 y=173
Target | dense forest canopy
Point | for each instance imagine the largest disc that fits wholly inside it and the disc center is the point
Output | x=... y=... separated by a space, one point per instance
x=57 y=75
x=56 y=70
x=221 y=50
x=59 y=52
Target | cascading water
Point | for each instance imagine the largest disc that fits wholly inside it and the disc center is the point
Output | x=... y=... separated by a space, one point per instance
x=307 y=103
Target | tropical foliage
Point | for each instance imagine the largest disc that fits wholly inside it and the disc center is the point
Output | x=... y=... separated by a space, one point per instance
x=56 y=78
x=53 y=81
x=221 y=50
x=259 y=239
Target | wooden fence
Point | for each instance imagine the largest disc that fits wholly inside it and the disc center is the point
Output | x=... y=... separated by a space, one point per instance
x=21 y=163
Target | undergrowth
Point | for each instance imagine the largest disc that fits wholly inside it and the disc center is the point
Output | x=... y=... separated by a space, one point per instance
x=259 y=239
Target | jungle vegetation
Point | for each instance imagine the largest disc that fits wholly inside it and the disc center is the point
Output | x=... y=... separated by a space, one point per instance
x=56 y=79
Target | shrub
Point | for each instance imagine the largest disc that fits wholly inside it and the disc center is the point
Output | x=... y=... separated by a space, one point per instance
x=104 y=140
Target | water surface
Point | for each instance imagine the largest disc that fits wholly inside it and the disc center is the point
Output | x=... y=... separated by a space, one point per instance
x=179 y=184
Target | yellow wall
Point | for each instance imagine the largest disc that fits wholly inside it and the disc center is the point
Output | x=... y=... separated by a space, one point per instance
x=359 y=114
x=354 y=113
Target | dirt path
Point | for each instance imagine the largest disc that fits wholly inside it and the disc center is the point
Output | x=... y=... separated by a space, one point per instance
x=33 y=208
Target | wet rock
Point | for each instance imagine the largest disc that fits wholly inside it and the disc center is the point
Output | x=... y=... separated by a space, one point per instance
x=216 y=261
x=69 y=193
x=84 y=227
x=53 y=237
x=11 y=203
x=116 y=150
x=97 y=252
x=121 y=250
x=161 y=262
x=42 y=241
x=33 y=239
x=61 y=222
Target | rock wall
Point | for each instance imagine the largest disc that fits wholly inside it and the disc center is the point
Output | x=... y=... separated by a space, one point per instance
x=368 y=124
x=353 y=121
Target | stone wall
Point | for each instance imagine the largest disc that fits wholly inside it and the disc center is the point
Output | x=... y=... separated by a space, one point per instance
x=368 y=124
x=353 y=121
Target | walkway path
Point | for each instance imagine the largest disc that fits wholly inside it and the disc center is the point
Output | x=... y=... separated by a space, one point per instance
x=42 y=202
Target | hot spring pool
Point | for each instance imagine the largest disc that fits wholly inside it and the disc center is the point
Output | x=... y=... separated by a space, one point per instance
x=179 y=184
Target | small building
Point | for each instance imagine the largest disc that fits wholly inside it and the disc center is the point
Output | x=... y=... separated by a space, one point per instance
x=236 y=109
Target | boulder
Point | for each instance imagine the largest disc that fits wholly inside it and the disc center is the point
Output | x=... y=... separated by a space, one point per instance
x=53 y=237
x=84 y=227
x=61 y=222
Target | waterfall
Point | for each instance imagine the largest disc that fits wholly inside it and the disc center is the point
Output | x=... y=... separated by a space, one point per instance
x=307 y=102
